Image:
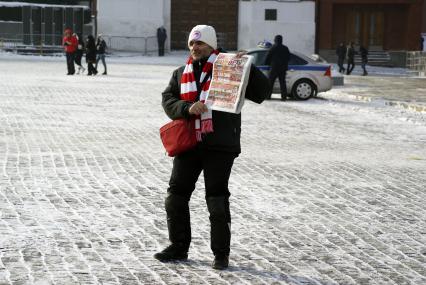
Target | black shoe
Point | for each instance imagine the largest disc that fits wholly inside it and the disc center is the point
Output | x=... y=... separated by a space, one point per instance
x=105 y=73
x=173 y=252
x=220 y=262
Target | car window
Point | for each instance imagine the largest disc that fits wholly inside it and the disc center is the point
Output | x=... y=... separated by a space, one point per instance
x=259 y=57
x=296 y=60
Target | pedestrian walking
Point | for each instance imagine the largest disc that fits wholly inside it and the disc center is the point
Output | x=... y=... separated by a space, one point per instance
x=278 y=57
x=351 y=59
x=341 y=55
x=161 y=38
x=364 y=59
x=218 y=145
x=79 y=53
x=91 y=55
x=69 y=42
x=100 y=51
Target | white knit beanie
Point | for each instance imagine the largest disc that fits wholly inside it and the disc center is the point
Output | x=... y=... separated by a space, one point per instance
x=203 y=33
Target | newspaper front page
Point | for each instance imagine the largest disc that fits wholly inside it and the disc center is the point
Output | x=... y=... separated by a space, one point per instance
x=229 y=81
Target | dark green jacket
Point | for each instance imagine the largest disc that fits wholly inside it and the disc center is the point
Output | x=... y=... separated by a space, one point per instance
x=227 y=126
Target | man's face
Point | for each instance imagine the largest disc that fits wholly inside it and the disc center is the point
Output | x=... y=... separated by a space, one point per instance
x=67 y=34
x=199 y=50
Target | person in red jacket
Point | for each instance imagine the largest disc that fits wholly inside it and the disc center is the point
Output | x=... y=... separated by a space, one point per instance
x=70 y=44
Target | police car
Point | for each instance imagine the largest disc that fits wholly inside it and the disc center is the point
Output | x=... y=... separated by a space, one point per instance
x=305 y=76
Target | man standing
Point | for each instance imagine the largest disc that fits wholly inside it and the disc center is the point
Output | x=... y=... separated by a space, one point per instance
x=341 y=54
x=100 y=51
x=218 y=146
x=278 y=57
x=351 y=59
x=161 y=38
x=70 y=43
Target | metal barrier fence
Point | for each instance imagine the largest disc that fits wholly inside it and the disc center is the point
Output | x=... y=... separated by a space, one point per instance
x=45 y=43
x=416 y=61
x=143 y=45
x=31 y=43
x=33 y=39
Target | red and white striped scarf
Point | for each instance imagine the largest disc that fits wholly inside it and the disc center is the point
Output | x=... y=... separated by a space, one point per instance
x=188 y=92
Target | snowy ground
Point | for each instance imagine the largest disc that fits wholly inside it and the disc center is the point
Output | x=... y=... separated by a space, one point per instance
x=327 y=191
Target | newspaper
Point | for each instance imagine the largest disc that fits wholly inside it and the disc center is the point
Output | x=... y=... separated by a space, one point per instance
x=229 y=81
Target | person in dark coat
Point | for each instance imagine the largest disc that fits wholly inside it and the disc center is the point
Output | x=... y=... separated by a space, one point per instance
x=351 y=59
x=91 y=55
x=278 y=57
x=79 y=53
x=161 y=38
x=364 y=59
x=100 y=53
x=214 y=154
x=341 y=55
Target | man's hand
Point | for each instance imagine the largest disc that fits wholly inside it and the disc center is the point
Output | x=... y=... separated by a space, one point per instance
x=240 y=53
x=197 y=108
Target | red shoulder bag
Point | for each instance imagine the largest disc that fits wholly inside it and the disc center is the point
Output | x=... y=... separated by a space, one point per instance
x=178 y=136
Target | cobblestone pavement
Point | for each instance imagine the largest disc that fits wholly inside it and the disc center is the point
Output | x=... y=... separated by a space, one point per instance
x=325 y=191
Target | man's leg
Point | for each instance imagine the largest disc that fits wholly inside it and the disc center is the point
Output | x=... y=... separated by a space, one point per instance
x=217 y=170
x=186 y=169
x=364 y=68
x=69 y=59
x=353 y=66
x=104 y=63
x=159 y=47
x=341 y=68
x=272 y=77
x=283 y=85
x=91 y=69
x=98 y=57
x=162 y=49
x=72 y=66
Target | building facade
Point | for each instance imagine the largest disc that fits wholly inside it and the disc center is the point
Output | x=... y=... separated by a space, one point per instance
x=131 y=25
x=240 y=24
x=262 y=20
x=389 y=25
x=222 y=14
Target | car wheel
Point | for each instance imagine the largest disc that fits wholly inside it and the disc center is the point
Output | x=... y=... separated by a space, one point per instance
x=304 y=89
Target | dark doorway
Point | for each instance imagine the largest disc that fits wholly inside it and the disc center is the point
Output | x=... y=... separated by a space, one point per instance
x=363 y=25
x=185 y=14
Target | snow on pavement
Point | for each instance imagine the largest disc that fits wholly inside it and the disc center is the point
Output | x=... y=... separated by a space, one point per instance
x=325 y=191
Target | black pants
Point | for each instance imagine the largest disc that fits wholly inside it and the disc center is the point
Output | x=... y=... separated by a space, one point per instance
x=187 y=167
x=77 y=58
x=340 y=62
x=275 y=72
x=70 y=63
x=160 y=48
x=91 y=69
x=363 y=64
x=351 y=66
